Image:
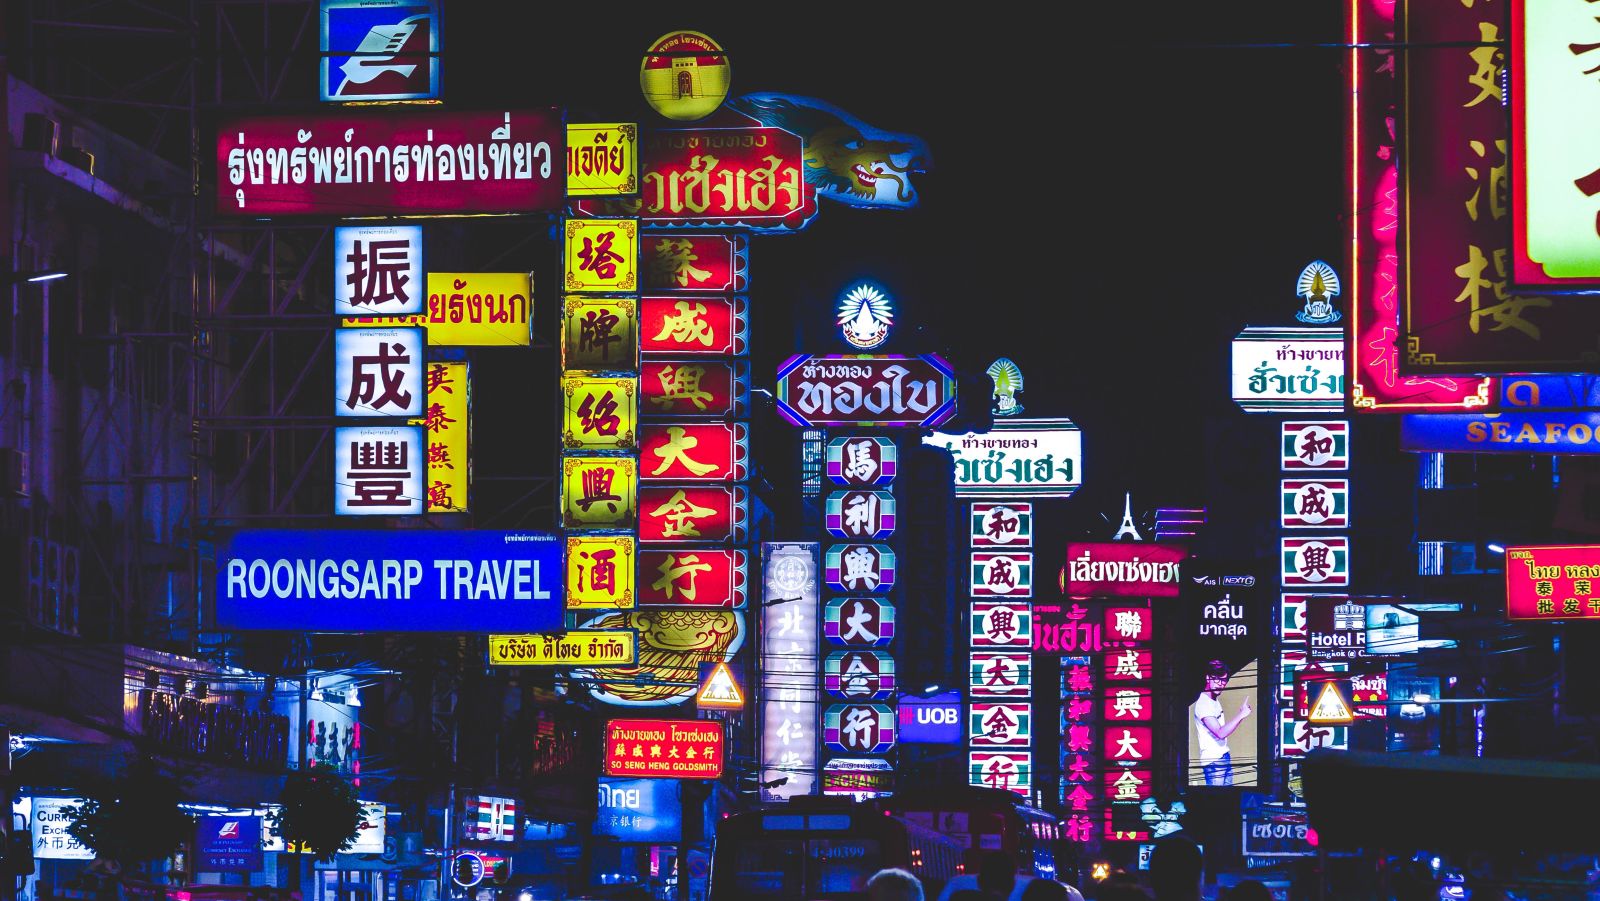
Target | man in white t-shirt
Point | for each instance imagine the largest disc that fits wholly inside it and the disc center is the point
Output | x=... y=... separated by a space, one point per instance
x=1212 y=728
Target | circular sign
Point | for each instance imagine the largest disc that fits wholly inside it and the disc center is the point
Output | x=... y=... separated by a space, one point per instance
x=469 y=869
x=685 y=76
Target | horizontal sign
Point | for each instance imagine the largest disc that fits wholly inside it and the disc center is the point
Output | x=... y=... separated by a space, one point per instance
x=1017 y=458
x=862 y=462
x=1066 y=630
x=468 y=309
x=600 y=646
x=1001 y=574
x=862 y=568
x=866 y=390
x=599 y=492
x=709 y=514
x=1557 y=582
x=1000 y=624
x=693 y=577
x=639 y=810
x=1314 y=504
x=377 y=270
x=694 y=452
x=50 y=821
x=379 y=470
x=1288 y=370
x=1122 y=569
x=859 y=675
x=710 y=388
x=858 y=777
x=859 y=622
x=1502 y=433
x=933 y=721
x=858 y=728
x=1006 y=770
x=1336 y=627
x=602 y=159
x=1550 y=392
x=684 y=261
x=681 y=749
x=1000 y=724
x=402 y=581
x=1275 y=830
x=1002 y=525
x=694 y=326
x=391 y=163
x=1314 y=445
x=1315 y=562
x=862 y=515
x=759 y=180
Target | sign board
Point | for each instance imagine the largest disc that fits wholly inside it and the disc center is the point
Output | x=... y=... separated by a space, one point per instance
x=378 y=372
x=859 y=568
x=860 y=515
x=370 y=833
x=1336 y=627
x=866 y=390
x=1578 y=391
x=1396 y=629
x=862 y=462
x=858 y=728
x=1068 y=629
x=718 y=688
x=859 y=622
x=1008 y=574
x=575 y=648
x=697 y=577
x=1000 y=724
x=1001 y=624
x=1288 y=370
x=599 y=412
x=639 y=810
x=377 y=270
x=789 y=669
x=228 y=844
x=411 y=162
x=680 y=749
x=599 y=492
x=676 y=326
x=486 y=818
x=1122 y=569
x=1322 y=562
x=1006 y=770
x=379 y=470
x=468 y=309
x=602 y=255
x=600 y=572
x=933 y=721
x=706 y=514
x=696 y=262
x=1025 y=458
x=379 y=50
x=402 y=581
x=1000 y=674
x=1314 y=504
x=858 y=777
x=599 y=334
x=1002 y=525
x=1314 y=445
x=673 y=642
x=1275 y=830
x=1502 y=433
x=858 y=674
x=1552 y=583
x=694 y=452
x=448 y=431
x=714 y=389
x=602 y=159
x=51 y=841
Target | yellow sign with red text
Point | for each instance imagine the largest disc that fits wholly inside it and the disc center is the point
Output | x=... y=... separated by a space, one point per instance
x=600 y=572
x=445 y=425
x=602 y=255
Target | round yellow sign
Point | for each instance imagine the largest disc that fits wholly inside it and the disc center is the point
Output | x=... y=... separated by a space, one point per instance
x=685 y=76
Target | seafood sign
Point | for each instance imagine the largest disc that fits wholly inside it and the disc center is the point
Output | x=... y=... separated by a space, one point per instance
x=391 y=163
x=866 y=390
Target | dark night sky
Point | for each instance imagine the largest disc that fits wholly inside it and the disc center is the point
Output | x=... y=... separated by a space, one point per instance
x=1111 y=201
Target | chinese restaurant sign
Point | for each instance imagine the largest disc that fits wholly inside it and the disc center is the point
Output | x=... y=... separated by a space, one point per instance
x=600 y=334
x=600 y=572
x=468 y=309
x=379 y=470
x=390 y=163
x=403 y=581
x=1017 y=458
x=1288 y=370
x=610 y=646
x=866 y=390
x=699 y=388
x=702 y=577
x=448 y=432
x=380 y=50
x=377 y=270
x=746 y=177
x=1553 y=582
x=602 y=160
x=1121 y=569
x=1502 y=433
x=676 y=514
x=679 y=749
x=602 y=255
x=693 y=326
x=697 y=262
x=598 y=492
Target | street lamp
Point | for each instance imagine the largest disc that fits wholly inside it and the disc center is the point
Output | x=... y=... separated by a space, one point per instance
x=47 y=275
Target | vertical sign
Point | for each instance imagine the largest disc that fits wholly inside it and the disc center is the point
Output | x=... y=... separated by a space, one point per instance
x=449 y=435
x=789 y=670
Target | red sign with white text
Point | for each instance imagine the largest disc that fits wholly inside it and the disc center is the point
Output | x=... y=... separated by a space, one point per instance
x=678 y=514
x=693 y=577
x=693 y=326
x=694 y=452
x=680 y=261
x=1557 y=582
x=679 y=749
x=391 y=163
x=711 y=388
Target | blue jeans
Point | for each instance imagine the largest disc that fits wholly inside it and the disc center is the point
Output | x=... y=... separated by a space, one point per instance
x=1220 y=771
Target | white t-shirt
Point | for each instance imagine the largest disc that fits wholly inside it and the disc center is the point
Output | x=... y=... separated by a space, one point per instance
x=1211 y=747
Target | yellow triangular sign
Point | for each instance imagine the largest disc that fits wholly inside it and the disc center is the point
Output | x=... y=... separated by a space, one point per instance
x=720 y=690
x=1331 y=707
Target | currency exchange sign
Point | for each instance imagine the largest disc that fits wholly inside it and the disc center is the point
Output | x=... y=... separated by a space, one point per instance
x=866 y=390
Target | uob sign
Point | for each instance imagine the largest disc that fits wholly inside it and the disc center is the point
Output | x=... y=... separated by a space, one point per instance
x=935 y=720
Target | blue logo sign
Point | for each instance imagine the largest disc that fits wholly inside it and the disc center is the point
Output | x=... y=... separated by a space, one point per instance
x=638 y=810
x=414 y=581
x=1550 y=392
x=379 y=50
x=931 y=721
x=1502 y=433
x=228 y=844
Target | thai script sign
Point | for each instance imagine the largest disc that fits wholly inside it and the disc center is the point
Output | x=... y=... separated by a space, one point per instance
x=858 y=777
x=859 y=622
x=675 y=514
x=600 y=572
x=698 y=577
x=1502 y=433
x=694 y=452
x=1275 y=830
x=602 y=159
x=1315 y=562
x=681 y=749
x=1286 y=370
x=718 y=178
x=377 y=270
x=1122 y=569
x=1314 y=503
x=599 y=333
x=378 y=372
x=1017 y=458
x=602 y=255
x=1314 y=445
x=864 y=462
x=789 y=612
x=1002 y=575
x=599 y=492
x=1001 y=525
x=380 y=50
x=599 y=412
x=696 y=388
x=696 y=261
x=866 y=390
x=1578 y=391
x=360 y=581
x=379 y=471
x=447 y=428
x=390 y=163
x=639 y=810
x=1557 y=582
x=610 y=646
x=858 y=728
x=468 y=309
x=693 y=326
x=1066 y=630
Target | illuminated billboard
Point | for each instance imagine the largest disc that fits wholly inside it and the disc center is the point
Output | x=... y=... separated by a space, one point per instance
x=1502 y=433
x=789 y=670
x=1552 y=583
x=866 y=390
x=1023 y=458
x=379 y=471
x=680 y=749
x=1288 y=370
x=575 y=648
x=378 y=372
x=1121 y=569
x=447 y=424
x=377 y=270
x=602 y=159
x=468 y=309
x=673 y=642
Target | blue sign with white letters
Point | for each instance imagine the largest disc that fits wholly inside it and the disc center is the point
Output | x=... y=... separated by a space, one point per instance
x=639 y=810
x=228 y=844
x=1550 y=432
x=931 y=721
x=410 y=581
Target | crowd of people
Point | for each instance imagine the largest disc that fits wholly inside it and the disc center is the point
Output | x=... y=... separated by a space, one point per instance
x=1176 y=868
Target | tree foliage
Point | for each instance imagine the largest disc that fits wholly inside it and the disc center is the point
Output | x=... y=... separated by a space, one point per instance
x=321 y=811
x=135 y=817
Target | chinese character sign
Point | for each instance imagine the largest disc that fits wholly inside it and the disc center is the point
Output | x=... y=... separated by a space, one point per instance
x=1000 y=724
x=379 y=471
x=859 y=622
x=859 y=728
x=1002 y=525
x=383 y=50
x=789 y=668
x=600 y=334
x=600 y=413
x=602 y=159
x=1002 y=575
x=698 y=262
x=1314 y=503
x=862 y=462
x=600 y=572
x=1001 y=624
x=448 y=387
x=599 y=492
x=378 y=372
x=1006 y=770
x=1315 y=562
x=860 y=568
x=863 y=515
x=694 y=452
x=1552 y=582
x=693 y=326
x=713 y=389
x=377 y=270
x=1314 y=445
x=682 y=514
x=859 y=675
x=602 y=255
x=694 y=577
x=1000 y=674
x=679 y=749
x=468 y=309
x=51 y=840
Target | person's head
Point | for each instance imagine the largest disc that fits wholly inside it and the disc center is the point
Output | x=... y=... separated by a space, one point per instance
x=1249 y=890
x=1216 y=677
x=1175 y=867
x=1045 y=890
x=996 y=872
x=894 y=885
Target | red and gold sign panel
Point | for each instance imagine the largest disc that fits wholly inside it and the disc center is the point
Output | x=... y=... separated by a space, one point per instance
x=693 y=326
x=693 y=577
x=694 y=452
x=600 y=333
x=602 y=255
x=600 y=572
x=750 y=177
x=603 y=159
x=599 y=413
x=680 y=261
x=677 y=749
x=710 y=388
x=676 y=514
x=599 y=492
